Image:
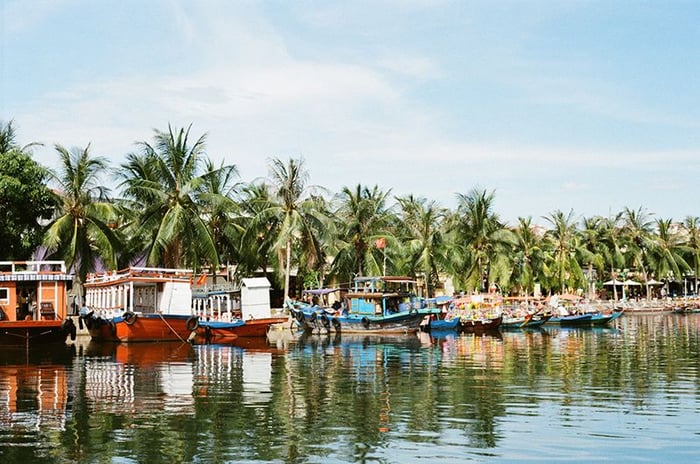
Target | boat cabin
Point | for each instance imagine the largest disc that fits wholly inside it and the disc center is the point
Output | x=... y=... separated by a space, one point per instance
x=33 y=290
x=145 y=290
x=382 y=296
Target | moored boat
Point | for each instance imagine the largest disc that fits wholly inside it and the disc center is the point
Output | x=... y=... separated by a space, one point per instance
x=33 y=303
x=227 y=312
x=386 y=304
x=139 y=304
x=479 y=313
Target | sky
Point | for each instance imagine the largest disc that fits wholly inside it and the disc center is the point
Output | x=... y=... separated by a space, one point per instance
x=583 y=106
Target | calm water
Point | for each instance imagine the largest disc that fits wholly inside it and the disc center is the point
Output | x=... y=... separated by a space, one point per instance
x=624 y=394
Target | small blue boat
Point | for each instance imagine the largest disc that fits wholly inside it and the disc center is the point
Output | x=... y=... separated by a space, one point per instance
x=444 y=324
x=573 y=320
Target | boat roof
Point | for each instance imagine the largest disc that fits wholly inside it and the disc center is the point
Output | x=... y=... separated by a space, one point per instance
x=34 y=271
x=399 y=279
x=320 y=291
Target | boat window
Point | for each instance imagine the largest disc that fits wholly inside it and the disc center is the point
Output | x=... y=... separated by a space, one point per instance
x=4 y=295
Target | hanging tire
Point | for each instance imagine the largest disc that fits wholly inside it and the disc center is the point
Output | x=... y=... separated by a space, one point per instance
x=299 y=316
x=326 y=323
x=313 y=317
x=129 y=318
x=365 y=323
x=336 y=324
x=68 y=327
x=192 y=323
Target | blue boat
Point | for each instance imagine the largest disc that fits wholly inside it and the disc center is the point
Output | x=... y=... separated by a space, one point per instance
x=603 y=319
x=386 y=304
x=444 y=324
x=586 y=320
x=572 y=320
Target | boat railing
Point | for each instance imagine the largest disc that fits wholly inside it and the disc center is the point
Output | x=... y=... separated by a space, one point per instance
x=202 y=291
x=32 y=267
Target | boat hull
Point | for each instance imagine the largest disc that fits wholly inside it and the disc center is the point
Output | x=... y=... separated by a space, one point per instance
x=480 y=325
x=444 y=325
x=408 y=322
x=144 y=328
x=221 y=331
x=22 y=333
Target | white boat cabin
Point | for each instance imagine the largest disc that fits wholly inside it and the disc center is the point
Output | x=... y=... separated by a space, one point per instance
x=144 y=290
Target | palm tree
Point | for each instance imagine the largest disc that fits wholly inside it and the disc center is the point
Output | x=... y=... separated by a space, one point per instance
x=218 y=194
x=295 y=218
x=166 y=183
x=666 y=253
x=614 y=246
x=593 y=248
x=638 y=232
x=83 y=229
x=564 y=239
x=362 y=218
x=691 y=226
x=421 y=235
x=480 y=241
x=529 y=255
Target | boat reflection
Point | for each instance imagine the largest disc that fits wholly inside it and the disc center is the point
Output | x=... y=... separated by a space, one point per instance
x=35 y=386
x=146 y=377
x=136 y=378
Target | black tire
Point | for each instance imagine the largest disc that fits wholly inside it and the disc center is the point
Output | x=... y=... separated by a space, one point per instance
x=326 y=323
x=192 y=323
x=129 y=318
x=69 y=328
x=313 y=317
x=336 y=324
x=299 y=316
x=365 y=323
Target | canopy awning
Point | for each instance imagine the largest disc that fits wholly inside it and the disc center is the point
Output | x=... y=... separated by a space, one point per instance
x=654 y=282
x=614 y=282
x=630 y=282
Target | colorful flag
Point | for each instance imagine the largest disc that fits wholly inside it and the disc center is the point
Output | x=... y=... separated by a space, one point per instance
x=202 y=279
x=380 y=243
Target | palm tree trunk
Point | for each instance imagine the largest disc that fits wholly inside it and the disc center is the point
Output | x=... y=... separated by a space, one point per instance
x=288 y=268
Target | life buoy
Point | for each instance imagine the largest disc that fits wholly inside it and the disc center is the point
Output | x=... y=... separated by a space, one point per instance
x=336 y=324
x=365 y=322
x=192 y=323
x=129 y=318
x=324 y=320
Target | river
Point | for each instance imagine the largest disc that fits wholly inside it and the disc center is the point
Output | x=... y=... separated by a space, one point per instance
x=628 y=393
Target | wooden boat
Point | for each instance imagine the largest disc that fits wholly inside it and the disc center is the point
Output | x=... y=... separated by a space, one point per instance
x=33 y=303
x=386 y=304
x=603 y=319
x=444 y=324
x=314 y=313
x=479 y=313
x=586 y=319
x=529 y=321
x=226 y=312
x=139 y=304
x=572 y=320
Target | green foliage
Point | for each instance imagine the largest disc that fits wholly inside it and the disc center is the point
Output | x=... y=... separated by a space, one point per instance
x=25 y=201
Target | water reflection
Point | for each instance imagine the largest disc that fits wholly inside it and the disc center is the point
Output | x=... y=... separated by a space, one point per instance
x=35 y=386
x=568 y=393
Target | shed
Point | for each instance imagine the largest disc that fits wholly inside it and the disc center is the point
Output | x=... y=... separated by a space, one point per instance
x=255 y=298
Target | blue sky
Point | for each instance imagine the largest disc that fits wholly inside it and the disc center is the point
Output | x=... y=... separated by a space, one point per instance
x=590 y=106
